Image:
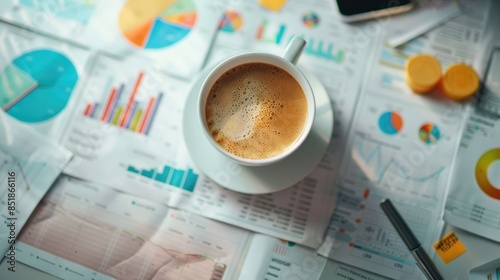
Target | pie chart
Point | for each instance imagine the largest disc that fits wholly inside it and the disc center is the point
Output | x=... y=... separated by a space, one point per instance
x=156 y=24
x=390 y=122
x=429 y=133
x=484 y=163
x=37 y=85
x=231 y=22
x=310 y=20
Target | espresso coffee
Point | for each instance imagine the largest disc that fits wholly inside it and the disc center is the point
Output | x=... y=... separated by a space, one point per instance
x=256 y=110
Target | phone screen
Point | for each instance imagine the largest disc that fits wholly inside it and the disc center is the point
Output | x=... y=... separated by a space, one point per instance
x=354 y=7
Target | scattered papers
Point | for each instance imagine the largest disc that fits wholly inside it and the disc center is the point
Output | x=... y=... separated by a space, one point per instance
x=123 y=232
x=427 y=15
x=474 y=195
x=29 y=164
x=174 y=36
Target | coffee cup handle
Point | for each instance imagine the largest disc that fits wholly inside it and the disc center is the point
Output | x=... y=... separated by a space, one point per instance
x=294 y=49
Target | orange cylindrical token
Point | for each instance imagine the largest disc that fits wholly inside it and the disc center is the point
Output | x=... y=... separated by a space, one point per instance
x=423 y=73
x=460 y=81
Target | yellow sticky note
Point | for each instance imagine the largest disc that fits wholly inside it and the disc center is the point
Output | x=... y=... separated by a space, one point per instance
x=449 y=247
x=273 y=5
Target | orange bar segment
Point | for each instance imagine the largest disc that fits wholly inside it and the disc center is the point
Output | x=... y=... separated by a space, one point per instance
x=126 y=112
x=147 y=115
x=106 y=111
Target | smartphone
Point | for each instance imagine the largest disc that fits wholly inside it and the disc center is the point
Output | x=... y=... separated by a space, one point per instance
x=357 y=10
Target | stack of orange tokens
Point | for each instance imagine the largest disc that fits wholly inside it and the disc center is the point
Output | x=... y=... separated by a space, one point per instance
x=423 y=73
x=460 y=81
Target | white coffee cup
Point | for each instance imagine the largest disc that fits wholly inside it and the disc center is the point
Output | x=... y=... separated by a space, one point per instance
x=287 y=63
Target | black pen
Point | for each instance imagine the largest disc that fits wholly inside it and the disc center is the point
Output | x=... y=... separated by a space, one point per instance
x=424 y=262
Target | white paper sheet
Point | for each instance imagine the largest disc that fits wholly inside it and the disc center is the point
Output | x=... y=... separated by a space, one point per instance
x=86 y=231
x=29 y=164
x=174 y=35
x=487 y=271
x=473 y=201
x=280 y=259
x=339 y=271
x=39 y=79
x=425 y=16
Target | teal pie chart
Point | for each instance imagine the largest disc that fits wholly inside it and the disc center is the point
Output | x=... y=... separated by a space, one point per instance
x=37 y=85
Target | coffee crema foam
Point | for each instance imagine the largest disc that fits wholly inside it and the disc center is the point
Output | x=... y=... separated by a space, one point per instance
x=256 y=110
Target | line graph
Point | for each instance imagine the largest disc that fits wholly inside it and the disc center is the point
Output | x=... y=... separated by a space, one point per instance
x=386 y=167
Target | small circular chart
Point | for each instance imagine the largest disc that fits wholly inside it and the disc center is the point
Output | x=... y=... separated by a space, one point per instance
x=287 y=243
x=157 y=24
x=37 y=85
x=429 y=133
x=487 y=161
x=310 y=20
x=390 y=122
x=231 y=22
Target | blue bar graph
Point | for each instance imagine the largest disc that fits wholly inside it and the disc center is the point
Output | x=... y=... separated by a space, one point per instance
x=162 y=177
x=190 y=181
x=176 y=179
x=148 y=173
x=180 y=178
x=133 y=170
x=324 y=50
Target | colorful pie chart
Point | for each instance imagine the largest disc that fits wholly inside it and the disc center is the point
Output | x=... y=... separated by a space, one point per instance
x=390 y=123
x=482 y=166
x=231 y=22
x=156 y=24
x=429 y=133
x=310 y=20
x=37 y=85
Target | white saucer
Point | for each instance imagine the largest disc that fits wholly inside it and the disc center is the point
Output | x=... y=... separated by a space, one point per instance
x=266 y=179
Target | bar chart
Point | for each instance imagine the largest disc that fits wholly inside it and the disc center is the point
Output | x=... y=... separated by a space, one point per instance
x=180 y=178
x=125 y=98
x=270 y=32
x=129 y=111
x=125 y=111
x=324 y=50
x=395 y=58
